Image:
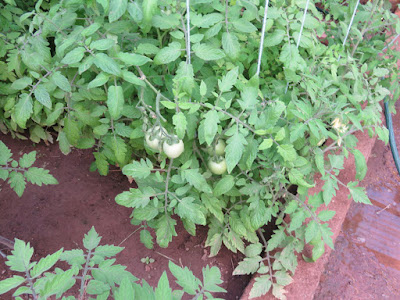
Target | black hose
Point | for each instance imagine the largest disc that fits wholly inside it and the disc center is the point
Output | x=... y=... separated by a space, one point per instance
x=392 y=140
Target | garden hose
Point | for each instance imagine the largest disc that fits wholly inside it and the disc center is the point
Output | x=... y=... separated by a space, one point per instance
x=392 y=141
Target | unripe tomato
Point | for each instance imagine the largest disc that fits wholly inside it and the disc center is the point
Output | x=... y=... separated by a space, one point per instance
x=173 y=150
x=153 y=143
x=218 y=168
x=220 y=147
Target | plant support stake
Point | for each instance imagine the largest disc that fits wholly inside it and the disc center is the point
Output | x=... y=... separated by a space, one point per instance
x=300 y=33
x=348 y=28
x=262 y=37
x=188 y=30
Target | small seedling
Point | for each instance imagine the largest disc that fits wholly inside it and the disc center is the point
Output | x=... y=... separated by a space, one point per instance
x=147 y=260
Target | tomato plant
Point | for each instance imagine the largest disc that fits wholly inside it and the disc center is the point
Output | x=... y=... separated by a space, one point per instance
x=154 y=87
x=96 y=274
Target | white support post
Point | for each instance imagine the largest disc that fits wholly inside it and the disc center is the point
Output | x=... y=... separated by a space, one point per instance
x=300 y=33
x=262 y=38
x=188 y=60
x=349 y=27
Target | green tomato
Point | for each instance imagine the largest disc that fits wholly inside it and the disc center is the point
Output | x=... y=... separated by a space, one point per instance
x=220 y=148
x=218 y=168
x=174 y=150
x=153 y=143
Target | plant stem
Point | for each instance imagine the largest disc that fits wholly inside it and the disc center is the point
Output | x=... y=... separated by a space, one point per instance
x=143 y=77
x=41 y=79
x=260 y=233
x=85 y=270
x=167 y=184
x=30 y=281
x=260 y=51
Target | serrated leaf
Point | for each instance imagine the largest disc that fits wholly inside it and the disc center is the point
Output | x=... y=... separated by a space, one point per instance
x=61 y=81
x=311 y=231
x=196 y=179
x=165 y=230
x=21 y=83
x=244 y=26
x=40 y=176
x=326 y=215
x=168 y=54
x=249 y=265
x=203 y=89
x=117 y=9
x=146 y=239
x=359 y=195
x=5 y=153
x=101 y=163
x=73 y=56
x=188 y=209
x=180 y=123
x=103 y=44
x=208 y=52
x=132 y=59
x=107 y=250
x=296 y=177
x=228 y=80
x=107 y=64
x=211 y=121
x=42 y=95
x=96 y=287
x=163 y=290
x=265 y=144
x=278 y=291
x=361 y=164
x=23 y=110
x=318 y=250
x=166 y=21
x=296 y=220
x=328 y=191
x=261 y=286
x=135 y=197
x=274 y=38
x=211 y=280
x=253 y=250
x=283 y=278
x=234 y=150
x=100 y=79
x=137 y=169
x=184 y=278
x=10 y=283
x=63 y=142
x=125 y=290
x=46 y=263
x=276 y=239
x=73 y=257
x=224 y=185
x=231 y=45
x=21 y=256
x=91 y=239
x=17 y=182
x=115 y=101
x=327 y=234
x=288 y=152
x=72 y=131
x=319 y=161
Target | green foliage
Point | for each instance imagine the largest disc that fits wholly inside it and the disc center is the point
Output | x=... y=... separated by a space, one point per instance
x=97 y=275
x=19 y=172
x=122 y=75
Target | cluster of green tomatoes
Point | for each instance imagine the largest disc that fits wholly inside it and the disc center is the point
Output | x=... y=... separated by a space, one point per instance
x=158 y=139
